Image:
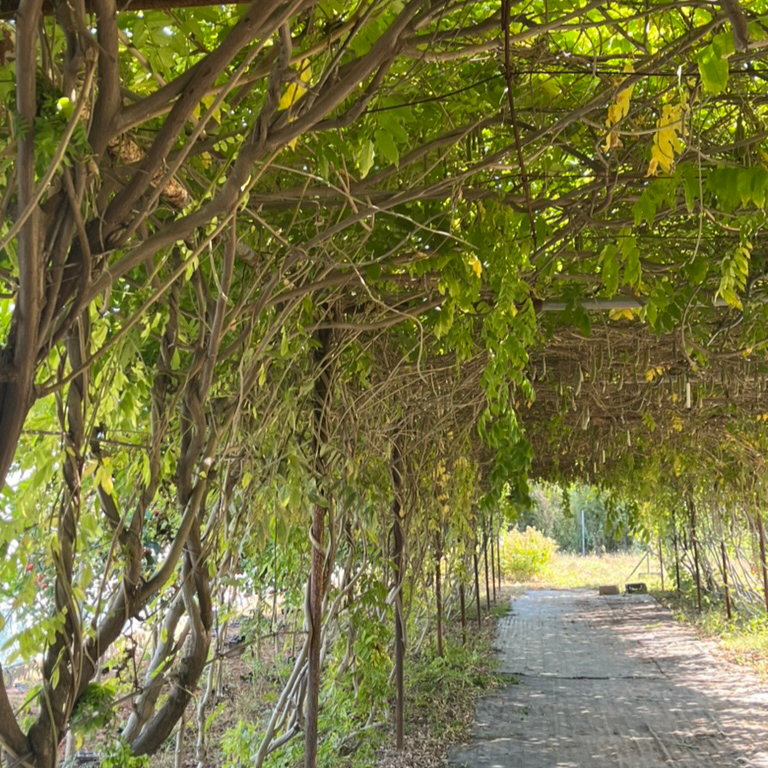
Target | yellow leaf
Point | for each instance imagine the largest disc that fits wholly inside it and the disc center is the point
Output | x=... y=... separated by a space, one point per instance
x=617 y=111
x=623 y=314
x=666 y=141
x=207 y=101
x=106 y=484
x=296 y=90
x=476 y=265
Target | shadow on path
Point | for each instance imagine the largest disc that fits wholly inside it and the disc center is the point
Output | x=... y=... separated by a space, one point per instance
x=613 y=681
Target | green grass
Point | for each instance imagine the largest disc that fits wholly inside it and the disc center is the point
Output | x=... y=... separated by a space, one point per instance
x=570 y=571
x=442 y=691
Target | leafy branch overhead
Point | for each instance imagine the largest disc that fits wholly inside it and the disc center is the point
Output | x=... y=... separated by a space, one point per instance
x=372 y=265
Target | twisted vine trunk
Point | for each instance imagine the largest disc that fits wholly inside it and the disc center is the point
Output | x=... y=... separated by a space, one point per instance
x=315 y=585
x=61 y=680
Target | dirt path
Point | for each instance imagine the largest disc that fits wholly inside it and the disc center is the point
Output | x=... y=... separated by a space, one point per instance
x=613 y=681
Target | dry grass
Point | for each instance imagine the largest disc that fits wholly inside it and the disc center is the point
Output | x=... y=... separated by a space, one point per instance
x=744 y=640
x=571 y=571
x=442 y=693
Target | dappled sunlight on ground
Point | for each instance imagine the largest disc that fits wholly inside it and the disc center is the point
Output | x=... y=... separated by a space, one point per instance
x=613 y=681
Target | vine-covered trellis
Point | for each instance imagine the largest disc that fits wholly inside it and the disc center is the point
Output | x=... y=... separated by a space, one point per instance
x=297 y=295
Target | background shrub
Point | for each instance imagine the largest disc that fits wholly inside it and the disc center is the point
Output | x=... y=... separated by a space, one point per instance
x=525 y=554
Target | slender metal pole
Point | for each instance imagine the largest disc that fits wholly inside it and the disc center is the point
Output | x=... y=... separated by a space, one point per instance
x=583 y=535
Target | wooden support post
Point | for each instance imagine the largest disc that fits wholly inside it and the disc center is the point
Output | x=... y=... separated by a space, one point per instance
x=398 y=573
x=463 y=614
x=498 y=556
x=439 y=600
x=487 y=582
x=477 y=588
x=677 y=556
x=493 y=563
x=761 y=534
x=694 y=542
x=725 y=580
x=661 y=565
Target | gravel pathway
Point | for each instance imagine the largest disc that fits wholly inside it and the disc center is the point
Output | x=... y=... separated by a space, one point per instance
x=613 y=681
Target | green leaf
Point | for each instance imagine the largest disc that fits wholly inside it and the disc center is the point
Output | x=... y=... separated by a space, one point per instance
x=392 y=123
x=387 y=147
x=722 y=44
x=744 y=185
x=698 y=270
x=365 y=157
x=632 y=270
x=759 y=185
x=713 y=70
x=691 y=186
x=444 y=319
x=644 y=210
x=609 y=268
x=651 y=311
